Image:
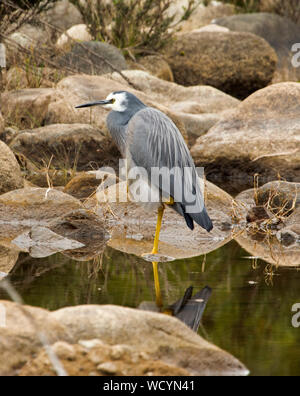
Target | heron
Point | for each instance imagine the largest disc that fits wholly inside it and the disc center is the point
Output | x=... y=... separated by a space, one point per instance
x=147 y=138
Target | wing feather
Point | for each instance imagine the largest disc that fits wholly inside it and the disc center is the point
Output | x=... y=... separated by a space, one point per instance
x=155 y=143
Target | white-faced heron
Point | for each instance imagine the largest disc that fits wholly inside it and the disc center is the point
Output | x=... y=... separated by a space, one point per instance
x=149 y=139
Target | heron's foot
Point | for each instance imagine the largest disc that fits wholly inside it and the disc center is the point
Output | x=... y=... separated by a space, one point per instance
x=170 y=201
x=156 y=257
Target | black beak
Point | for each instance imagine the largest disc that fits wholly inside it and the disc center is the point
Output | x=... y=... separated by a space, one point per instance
x=97 y=103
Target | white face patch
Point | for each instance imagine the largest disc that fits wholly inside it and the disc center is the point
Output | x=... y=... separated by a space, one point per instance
x=120 y=102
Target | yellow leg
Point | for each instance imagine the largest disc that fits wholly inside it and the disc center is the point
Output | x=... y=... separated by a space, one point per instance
x=158 y=227
x=155 y=251
x=159 y=302
x=170 y=202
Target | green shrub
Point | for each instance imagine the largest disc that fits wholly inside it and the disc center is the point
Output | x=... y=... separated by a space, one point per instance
x=133 y=25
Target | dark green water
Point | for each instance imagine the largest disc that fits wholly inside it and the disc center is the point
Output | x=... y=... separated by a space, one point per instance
x=251 y=321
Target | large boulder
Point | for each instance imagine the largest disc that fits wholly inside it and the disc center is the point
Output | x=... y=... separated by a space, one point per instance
x=95 y=358
x=194 y=109
x=85 y=228
x=75 y=33
x=236 y=63
x=21 y=337
x=198 y=99
x=28 y=36
x=279 y=32
x=261 y=136
x=63 y=15
x=272 y=217
x=161 y=336
x=105 y=340
x=8 y=259
x=85 y=184
x=269 y=249
x=93 y=57
x=10 y=172
x=24 y=208
x=153 y=64
x=27 y=108
x=133 y=227
x=66 y=146
x=44 y=221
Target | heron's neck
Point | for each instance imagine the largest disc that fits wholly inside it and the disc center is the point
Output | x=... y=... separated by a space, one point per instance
x=117 y=123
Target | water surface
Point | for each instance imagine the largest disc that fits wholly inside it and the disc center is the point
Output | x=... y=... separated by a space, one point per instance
x=249 y=313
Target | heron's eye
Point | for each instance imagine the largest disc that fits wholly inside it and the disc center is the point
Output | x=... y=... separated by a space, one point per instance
x=113 y=100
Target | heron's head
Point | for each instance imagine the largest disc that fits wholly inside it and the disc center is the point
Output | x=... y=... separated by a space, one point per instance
x=117 y=101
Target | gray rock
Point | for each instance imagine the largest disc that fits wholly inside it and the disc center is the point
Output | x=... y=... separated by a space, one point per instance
x=41 y=242
x=22 y=209
x=10 y=172
x=8 y=259
x=27 y=108
x=96 y=361
x=260 y=136
x=29 y=36
x=133 y=228
x=70 y=146
x=236 y=63
x=63 y=15
x=279 y=32
x=84 y=185
x=161 y=336
x=19 y=339
x=155 y=65
x=89 y=57
x=86 y=229
x=276 y=239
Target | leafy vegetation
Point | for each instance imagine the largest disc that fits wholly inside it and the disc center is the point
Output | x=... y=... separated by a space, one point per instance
x=133 y=25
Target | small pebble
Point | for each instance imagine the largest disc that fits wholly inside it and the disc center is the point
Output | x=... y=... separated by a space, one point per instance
x=96 y=356
x=107 y=368
x=118 y=351
x=63 y=350
x=90 y=344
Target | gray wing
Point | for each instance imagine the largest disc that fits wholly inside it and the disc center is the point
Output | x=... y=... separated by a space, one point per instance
x=155 y=143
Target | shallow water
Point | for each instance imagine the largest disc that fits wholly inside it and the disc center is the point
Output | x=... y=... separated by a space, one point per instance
x=249 y=313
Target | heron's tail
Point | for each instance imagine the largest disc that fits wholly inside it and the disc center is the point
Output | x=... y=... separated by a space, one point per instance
x=200 y=218
x=190 y=309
